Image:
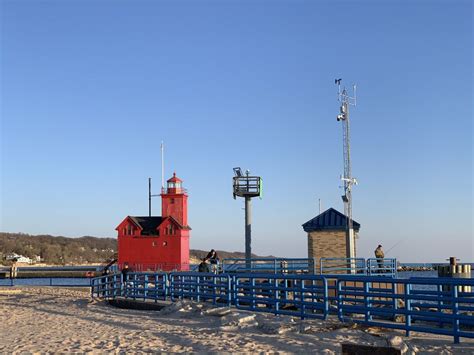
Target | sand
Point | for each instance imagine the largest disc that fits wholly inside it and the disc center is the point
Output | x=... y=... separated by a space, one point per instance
x=45 y=319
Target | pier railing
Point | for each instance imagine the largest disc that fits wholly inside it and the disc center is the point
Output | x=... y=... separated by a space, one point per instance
x=274 y=265
x=430 y=305
x=338 y=266
x=200 y=287
x=47 y=281
x=304 y=296
x=381 y=266
x=358 y=266
x=325 y=266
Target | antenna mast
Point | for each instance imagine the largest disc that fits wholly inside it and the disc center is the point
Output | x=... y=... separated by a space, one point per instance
x=343 y=116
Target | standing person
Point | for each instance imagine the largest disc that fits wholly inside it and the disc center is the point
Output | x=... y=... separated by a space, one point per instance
x=379 y=254
x=13 y=269
x=213 y=259
x=125 y=271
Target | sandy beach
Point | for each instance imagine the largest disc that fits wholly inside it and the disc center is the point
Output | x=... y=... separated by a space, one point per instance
x=65 y=320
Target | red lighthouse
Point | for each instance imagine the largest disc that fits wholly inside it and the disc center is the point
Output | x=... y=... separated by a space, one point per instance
x=158 y=243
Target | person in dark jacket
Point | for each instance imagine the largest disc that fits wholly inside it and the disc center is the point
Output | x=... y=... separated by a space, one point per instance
x=125 y=271
x=204 y=266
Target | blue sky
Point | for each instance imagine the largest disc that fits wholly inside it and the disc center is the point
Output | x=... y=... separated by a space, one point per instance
x=90 y=88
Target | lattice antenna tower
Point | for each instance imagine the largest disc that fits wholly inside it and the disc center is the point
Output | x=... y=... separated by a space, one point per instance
x=345 y=101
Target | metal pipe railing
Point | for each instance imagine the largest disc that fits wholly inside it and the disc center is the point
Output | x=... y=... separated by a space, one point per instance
x=430 y=305
x=47 y=281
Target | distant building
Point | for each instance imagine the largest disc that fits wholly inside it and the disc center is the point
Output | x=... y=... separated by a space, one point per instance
x=161 y=242
x=19 y=258
x=327 y=235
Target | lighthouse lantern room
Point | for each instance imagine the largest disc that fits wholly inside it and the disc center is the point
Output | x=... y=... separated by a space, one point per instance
x=158 y=243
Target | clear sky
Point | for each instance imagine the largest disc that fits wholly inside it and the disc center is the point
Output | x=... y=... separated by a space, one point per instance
x=90 y=88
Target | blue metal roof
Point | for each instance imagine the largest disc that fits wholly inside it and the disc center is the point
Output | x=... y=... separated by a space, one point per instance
x=330 y=219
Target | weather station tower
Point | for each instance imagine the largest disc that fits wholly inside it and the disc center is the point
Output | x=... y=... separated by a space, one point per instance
x=247 y=186
x=343 y=117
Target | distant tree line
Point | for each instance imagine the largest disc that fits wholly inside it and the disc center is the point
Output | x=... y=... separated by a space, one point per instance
x=83 y=250
x=58 y=250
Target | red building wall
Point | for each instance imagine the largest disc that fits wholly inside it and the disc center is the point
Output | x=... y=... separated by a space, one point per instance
x=176 y=206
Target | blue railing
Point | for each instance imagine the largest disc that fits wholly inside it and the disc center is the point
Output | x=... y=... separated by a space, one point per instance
x=382 y=266
x=431 y=305
x=47 y=281
x=200 y=287
x=325 y=266
x=275 y=265
x=138 y=285
x=146 y=285
x=296 y=295
x=358 y=266
x=336 y=266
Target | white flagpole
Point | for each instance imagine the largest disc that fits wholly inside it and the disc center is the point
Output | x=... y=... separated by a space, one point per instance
x=162 y=166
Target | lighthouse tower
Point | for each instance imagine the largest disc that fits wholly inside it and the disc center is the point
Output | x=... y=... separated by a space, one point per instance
x=161 y=242
x=174 y=201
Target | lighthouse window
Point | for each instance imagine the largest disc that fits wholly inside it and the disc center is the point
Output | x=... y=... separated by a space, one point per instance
x=165 y=244
x=172 y=200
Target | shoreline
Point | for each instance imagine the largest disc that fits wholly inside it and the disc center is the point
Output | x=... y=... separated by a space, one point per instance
x=49 y=319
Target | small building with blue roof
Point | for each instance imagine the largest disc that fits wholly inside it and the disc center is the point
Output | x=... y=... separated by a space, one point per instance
x=327 y=235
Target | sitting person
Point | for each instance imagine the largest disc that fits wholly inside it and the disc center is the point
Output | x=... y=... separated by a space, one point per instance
x=204 y=266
